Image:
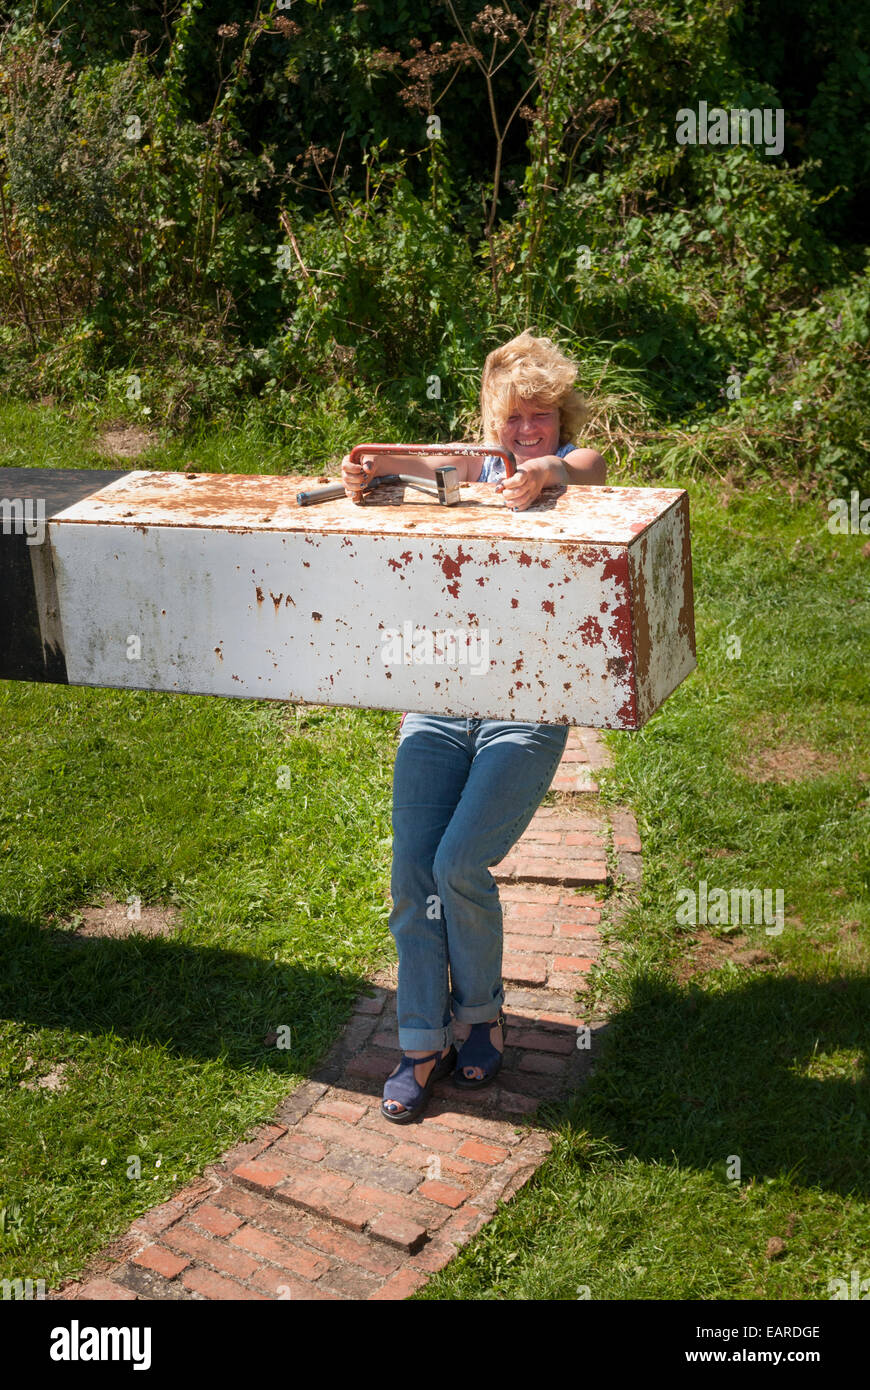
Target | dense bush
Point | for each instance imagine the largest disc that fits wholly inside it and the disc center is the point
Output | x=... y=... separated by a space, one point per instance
x=244 y=212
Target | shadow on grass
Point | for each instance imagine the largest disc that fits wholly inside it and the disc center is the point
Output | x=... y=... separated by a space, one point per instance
x=196 y=1001
x=772 y=1070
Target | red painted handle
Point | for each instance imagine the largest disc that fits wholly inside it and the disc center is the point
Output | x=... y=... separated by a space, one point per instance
x=510 y=463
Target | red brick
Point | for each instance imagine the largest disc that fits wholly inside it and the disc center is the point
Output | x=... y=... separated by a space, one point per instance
x=245 y=1151
x=434 y=1256
x=302 y=1146
x=443 y=1193
x=333 y=1184
x=285 y=1287
x=517 y=1104
x=527 y=970
x=525 y=944
x=212 y=1252
x=165 y=1263
x=354 y=1139
x=265 y=1177
x=561 y=1021
x=352 y=1282
x=483 y=1153
x=106 y=1291
x=627 y=842
x=427 y=1133
x=214 y=1287
x=543 y=837
x=585 y=837
x=539 y=851
x=340 y=1110
x=281 y=1252
x=343 y=1209
x=563 y=981
x=574 y=946
x=158 y=1218
x=215 y=1220
x=497 y=1131
x=529 y=926
x=387 y=1039
x=567 y=871
x=566 y=781
x=365 y=1005
x=409 y=1208
x=419 y=1159
x=272 y=1215
x=395 y=1230
x=401 y=1285
x=241 y=1201
x=539 y=1041
x=353 y=1249
x=542 y=1064
x=568 y=963
x=463 y=1225
x=561 y=819
x=582 y=929
x=370 y=1065
x=529 y=893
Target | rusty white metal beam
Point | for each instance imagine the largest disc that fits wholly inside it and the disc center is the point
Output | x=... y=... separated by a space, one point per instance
x=577 y=610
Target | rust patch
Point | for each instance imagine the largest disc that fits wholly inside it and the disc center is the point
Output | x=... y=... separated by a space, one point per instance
x=590 y=632
x=260 y=595
x=549 y=606
x=686 y=621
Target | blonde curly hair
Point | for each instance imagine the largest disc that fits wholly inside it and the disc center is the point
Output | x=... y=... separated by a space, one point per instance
x=527 y=367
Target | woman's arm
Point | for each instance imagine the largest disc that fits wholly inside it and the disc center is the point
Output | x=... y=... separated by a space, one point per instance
x=580 y=468
x=468 y=466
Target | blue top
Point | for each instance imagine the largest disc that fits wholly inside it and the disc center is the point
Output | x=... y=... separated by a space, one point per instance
x=493 y=465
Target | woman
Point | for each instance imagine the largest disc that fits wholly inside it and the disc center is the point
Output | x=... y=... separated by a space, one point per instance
x=464 y=790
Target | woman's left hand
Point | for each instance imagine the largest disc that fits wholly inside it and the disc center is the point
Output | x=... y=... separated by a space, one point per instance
x=525 y=486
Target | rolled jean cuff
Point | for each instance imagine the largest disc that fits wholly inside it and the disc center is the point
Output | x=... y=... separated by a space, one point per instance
x=425 y=1039
x=481 y=1013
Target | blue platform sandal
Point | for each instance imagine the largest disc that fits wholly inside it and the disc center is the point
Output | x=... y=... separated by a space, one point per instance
x=404 y=1087
x=478 y=1051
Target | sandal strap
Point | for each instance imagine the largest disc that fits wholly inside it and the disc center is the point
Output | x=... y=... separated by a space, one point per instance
x=478 y=1050
x=404 y=1086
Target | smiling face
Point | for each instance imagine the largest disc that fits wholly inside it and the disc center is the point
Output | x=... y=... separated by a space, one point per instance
x=531 y=430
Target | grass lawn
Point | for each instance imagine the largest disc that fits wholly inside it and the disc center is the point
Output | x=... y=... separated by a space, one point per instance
x=268 y=828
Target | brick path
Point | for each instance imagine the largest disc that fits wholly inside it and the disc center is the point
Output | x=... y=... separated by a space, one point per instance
x=332 y=1201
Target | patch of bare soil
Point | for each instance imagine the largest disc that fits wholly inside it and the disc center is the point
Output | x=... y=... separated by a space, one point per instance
x=118 y=920
x=709 y=952
x=52 y=1081
x=124 y=441
x=771 y=756
x=387 y=977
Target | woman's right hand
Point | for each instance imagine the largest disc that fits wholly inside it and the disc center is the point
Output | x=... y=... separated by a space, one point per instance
x=356 y=475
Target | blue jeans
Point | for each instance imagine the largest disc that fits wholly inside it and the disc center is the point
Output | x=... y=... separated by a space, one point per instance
x=464 y=790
